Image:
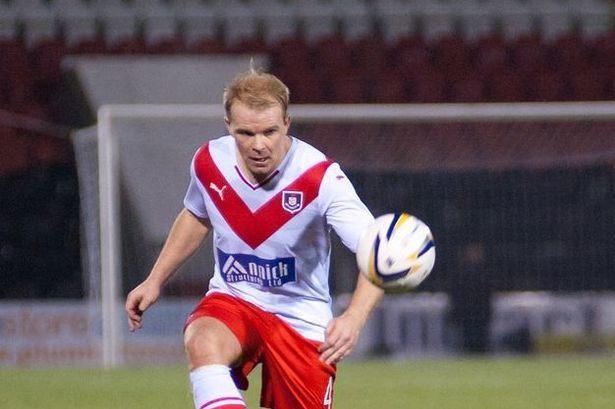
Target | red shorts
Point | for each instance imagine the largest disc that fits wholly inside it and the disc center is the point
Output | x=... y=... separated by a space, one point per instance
x=293 y=376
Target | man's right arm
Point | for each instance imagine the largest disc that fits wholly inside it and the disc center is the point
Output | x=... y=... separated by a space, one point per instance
x=184 y=239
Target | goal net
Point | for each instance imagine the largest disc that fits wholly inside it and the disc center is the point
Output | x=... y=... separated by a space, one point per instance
x=519 y=197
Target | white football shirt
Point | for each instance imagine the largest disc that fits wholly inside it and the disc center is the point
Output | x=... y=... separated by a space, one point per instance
x=271 y=240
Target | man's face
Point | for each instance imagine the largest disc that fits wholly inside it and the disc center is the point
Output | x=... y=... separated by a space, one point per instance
x=261 y=138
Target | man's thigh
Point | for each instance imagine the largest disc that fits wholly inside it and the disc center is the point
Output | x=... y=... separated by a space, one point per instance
x=233 y=321
x=209 y=341
x=294 y=377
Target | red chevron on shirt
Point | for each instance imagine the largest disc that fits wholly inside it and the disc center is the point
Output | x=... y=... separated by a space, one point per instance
x=256 y=227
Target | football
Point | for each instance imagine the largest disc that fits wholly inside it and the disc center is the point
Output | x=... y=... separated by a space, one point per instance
x=396 y=252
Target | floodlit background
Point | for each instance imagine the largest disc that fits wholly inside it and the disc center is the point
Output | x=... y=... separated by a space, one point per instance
x=521 y=205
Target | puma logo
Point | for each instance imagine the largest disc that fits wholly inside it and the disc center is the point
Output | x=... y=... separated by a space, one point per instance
x=219 y=191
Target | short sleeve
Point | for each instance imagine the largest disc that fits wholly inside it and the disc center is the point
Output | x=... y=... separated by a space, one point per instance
x=194 y=200
x=344 y=210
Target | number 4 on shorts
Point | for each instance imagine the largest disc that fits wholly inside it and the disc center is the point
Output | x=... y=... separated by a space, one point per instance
x=328 y=394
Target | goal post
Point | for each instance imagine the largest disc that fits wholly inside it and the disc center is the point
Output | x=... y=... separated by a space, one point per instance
x=109 y=185
x=372 y=138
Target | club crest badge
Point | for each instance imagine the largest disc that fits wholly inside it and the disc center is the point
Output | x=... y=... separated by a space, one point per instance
x=292 y=201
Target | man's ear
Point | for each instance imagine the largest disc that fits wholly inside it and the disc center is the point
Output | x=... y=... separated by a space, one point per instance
x=287 y=121
x=227 y=122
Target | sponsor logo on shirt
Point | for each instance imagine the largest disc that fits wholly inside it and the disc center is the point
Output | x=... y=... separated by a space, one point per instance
x=292 y=201
x=264 y=272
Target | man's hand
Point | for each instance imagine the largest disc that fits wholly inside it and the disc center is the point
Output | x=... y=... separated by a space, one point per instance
x=343 y=332
x=341 y=337
x=139 y=300
x=185 y=237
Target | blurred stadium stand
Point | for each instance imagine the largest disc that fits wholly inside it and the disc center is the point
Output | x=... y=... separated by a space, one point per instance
x=328 y=51
x=555 y=181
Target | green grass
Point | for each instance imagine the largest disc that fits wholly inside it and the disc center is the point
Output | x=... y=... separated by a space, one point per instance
x=504 y=383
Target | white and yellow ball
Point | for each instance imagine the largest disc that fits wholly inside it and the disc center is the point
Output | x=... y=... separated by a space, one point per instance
x=396 y=252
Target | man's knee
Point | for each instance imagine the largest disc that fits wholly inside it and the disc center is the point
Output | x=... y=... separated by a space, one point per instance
x=208 y=341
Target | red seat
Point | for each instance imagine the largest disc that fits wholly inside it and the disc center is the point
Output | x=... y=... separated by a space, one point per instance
x=169 y=45
x=468 y=89
x=15 y=63
x=89 y=46
x=21 y=94
x=428 y=87
x=370 y=55
x=589 y=86
x=5 y=94
x=49 y=150
x=529 y=55
x=14 y=152
x=46 y=60
x=610 y=89
x=249 y=45
x=390 y=87
x=207 y=46
x=291 y=52
x=604 y=50
x=36 y=110
x=452 y=56
x=332 y=57
x=348 y=88
x=571 y=53
x=491 y=39
x=506 y=86
x=548 y=86
x=491 y=58
x=305 y=86
x=414 y=58
x=409 y=42
x=131 y=45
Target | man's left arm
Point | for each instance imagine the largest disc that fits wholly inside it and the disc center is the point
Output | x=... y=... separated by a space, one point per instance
x=343 y=331
x=349 y=217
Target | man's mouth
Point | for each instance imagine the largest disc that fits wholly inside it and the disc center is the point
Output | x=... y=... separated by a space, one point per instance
x=259 y=160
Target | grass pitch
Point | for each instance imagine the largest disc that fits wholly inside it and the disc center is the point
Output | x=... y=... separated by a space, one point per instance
x=502 y=383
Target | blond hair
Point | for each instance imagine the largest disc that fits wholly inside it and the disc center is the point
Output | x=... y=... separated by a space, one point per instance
x=256 y=89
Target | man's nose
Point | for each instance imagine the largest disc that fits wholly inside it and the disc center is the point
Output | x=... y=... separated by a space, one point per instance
x=258 y=142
